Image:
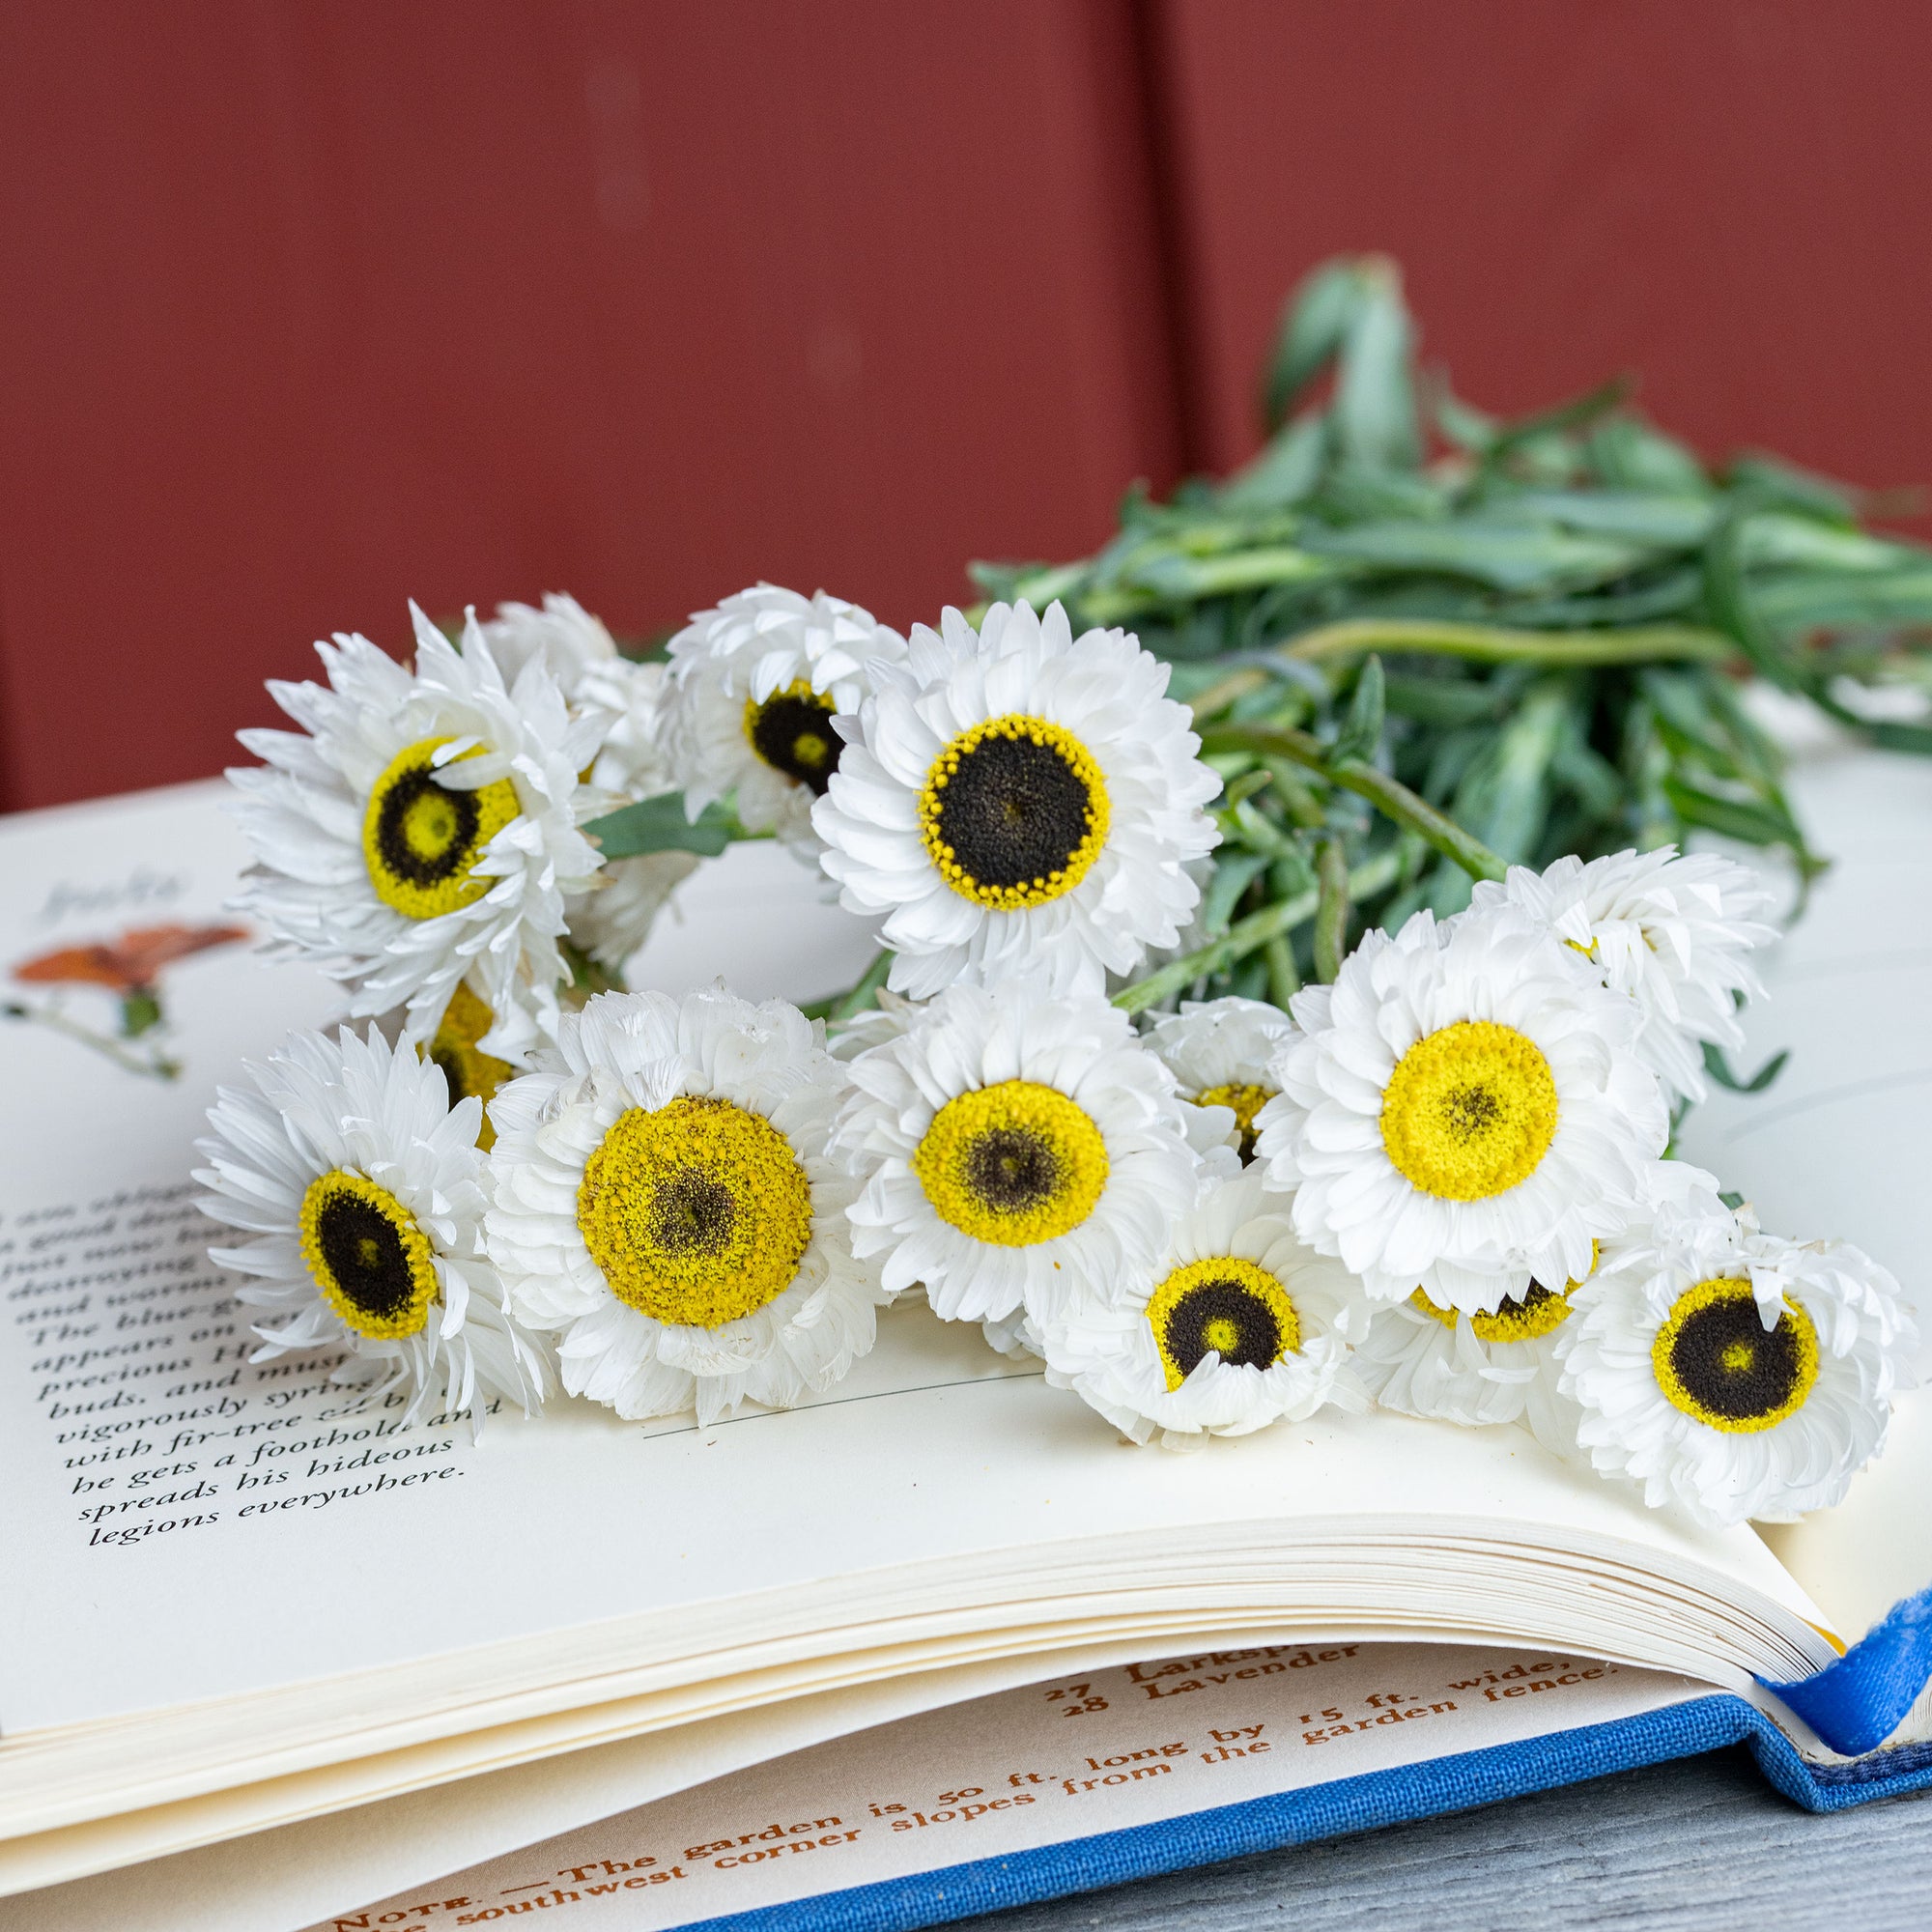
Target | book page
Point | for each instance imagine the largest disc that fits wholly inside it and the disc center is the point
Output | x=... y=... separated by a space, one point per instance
x=1837 y=1147
x=153 y=1470
x=283 y=1877
x=133 y=1431
x=1103 y=1750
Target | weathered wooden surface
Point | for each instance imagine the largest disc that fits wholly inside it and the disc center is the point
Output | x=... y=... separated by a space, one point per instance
x=1701 y=1846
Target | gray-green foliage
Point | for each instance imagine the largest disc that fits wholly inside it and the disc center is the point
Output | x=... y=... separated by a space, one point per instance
x=1539 y=628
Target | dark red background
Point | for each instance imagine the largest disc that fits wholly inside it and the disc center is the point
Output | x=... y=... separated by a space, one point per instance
x=312 y=307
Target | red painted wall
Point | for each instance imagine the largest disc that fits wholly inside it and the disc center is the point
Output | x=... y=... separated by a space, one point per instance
x=1733 y=197
x=312 y=307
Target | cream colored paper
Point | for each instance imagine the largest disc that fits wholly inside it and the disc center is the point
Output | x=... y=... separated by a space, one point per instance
x=275 y=1880
x=1103 y=1750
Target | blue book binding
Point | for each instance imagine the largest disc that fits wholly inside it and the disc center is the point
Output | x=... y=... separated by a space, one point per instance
x=1853 y=1705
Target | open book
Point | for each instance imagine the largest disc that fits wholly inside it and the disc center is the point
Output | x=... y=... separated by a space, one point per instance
x=235 y=1614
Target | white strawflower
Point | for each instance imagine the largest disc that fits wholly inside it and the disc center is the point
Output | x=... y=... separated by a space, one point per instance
x=361 y=1189
x=456 y=1046
x=561 y=635
x=1423 y=1359
x=664 y=1202
x=1236 y=1325
x=1221 y=1053
x=756 y=684
x=1671 y=933
x=421 y=831
x=1017 y=799
x=579 y=652
x=1462 y=1111
x=612 y=918
x=884 y=1020
x=1734 y=1372
x=1015 y=1148
x=634 y=762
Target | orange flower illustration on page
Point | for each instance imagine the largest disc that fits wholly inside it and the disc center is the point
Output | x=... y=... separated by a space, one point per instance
x=128 y=967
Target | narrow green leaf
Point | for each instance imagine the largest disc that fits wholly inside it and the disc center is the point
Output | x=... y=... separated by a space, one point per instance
x=865 y=993
x=1509 y=559
x=1753 y=823
x=1581 y=769
x=1040 y=584
x=1243 y=823
x=1374 y=417
x=660 y=825
x=1353 y=492
x=1181 y=577
x=1775 y=480
x=1576 y=414
x=1468 y=428
x=1515 y=784
x=1247 y=786
x=1719 y=1070
x=1362 y=734
x=1232 y=876
x=1441 y=700
x=1758 y=754
x=1284 y=980
x=1800 y=601
x=1679 y=704
x=1646 y=516
x=1666 y=591
x=1773 y=537
x=1313 y=324
x=1891 y=736
x=1287 y=470
x=1331 y=910
x=1730 y=607
x=1503 y=644
x=1627 y=452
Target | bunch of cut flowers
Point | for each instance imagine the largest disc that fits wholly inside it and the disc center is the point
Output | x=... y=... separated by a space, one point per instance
x=1433 y=1178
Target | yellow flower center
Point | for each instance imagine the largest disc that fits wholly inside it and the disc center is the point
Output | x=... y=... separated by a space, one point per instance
x=1014 y=812
x=1716 y=1361
x=1538 y=1311
x=370 y=1260
x=1235 y=1307
x=1246 y=1100
x=466 y=1068
x=1011 y=1164
x=1470 y=1111
x=792 y=732
x=421 y=840
x=697 y=1212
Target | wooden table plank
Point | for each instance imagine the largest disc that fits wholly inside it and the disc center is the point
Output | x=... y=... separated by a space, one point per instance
x=1700 y=1846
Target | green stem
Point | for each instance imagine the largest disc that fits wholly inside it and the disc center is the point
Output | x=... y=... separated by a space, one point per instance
x=1331 y=912
x=586 y=977
x=154 y=1066
x=1388 y=795
x=862 y=995
x=1497 y=643
x=1245 y=935
x=1284 y=981
x=1225 y=691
